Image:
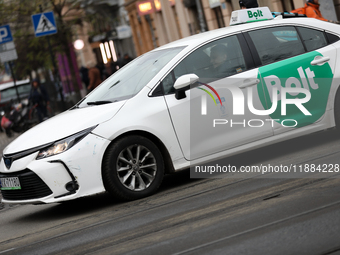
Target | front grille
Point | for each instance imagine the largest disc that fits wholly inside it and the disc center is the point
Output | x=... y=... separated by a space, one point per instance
x=32 y=186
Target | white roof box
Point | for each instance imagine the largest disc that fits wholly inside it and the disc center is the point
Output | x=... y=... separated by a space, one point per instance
x=250 y=15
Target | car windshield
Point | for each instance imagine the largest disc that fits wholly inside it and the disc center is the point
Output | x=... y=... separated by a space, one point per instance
x=128 y=81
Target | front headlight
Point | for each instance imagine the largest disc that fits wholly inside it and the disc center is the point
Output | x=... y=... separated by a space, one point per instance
x=64 y=144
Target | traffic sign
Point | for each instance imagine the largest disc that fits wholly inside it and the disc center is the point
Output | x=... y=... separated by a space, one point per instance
x=5 y=34
x=8 y=52
x=44 y=24
x=7 y=56
x=7 y=47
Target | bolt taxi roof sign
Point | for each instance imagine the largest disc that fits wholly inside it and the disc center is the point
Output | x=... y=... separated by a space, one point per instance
x=250 y=15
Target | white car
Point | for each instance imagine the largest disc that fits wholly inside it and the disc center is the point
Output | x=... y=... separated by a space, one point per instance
x=177 y=106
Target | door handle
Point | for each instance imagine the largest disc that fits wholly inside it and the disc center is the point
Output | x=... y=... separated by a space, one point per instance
x=247 y=83
x=318 y=60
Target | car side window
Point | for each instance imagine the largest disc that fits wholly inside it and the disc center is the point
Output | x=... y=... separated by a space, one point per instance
x=275 y=44
x=313 y=39
x=332 y=38
x=213 y=61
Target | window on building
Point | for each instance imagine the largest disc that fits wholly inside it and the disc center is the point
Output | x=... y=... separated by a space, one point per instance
x=288 y=5
x=219 y=16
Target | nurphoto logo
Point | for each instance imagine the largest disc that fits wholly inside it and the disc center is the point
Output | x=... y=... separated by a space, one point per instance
x=239 y=101
x=291 y=92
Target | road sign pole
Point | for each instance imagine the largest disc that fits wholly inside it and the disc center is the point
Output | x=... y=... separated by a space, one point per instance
x=55 y=73
x=14 y=80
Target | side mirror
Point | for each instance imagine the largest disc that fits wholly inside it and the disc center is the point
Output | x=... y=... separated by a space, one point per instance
x=184 y=83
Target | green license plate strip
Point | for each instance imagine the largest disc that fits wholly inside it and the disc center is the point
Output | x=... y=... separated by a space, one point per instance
x=10 y=183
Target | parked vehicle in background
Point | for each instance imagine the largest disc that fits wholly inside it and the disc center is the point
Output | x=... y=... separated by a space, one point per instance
x=8 y=95
x=16 y=116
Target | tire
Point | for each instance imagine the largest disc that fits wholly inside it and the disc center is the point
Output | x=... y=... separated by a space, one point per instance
x=133 y=168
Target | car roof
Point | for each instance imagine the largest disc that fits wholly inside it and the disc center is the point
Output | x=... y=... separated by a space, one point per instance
x=194 y=40
x=7 y=85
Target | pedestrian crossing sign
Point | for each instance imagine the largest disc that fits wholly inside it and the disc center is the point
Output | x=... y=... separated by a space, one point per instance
x=44 y=24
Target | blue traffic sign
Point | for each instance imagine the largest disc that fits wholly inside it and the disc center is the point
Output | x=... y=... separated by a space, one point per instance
x=5 y=34
x=44 y=24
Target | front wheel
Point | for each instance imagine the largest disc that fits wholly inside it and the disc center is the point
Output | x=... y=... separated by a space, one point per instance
x=133 y=168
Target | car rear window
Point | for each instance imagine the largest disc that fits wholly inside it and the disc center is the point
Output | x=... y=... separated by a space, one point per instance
x=10 y=93
x=313 y=39
x=278 y=43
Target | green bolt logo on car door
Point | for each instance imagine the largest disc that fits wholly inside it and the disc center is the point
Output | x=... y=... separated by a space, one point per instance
x=296 y=72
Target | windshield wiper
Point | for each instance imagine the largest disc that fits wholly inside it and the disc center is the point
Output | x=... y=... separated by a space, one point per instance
x=98 y=102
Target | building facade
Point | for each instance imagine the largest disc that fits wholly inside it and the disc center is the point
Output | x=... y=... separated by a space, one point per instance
x=157 y=22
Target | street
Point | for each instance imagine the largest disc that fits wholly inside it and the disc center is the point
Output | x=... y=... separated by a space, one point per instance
x=154 y=88
x=197 y=216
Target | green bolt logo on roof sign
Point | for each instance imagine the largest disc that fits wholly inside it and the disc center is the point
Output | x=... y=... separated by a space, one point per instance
x=256 y=14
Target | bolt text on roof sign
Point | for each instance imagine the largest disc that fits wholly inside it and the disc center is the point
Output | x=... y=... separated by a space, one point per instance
x=250 y=15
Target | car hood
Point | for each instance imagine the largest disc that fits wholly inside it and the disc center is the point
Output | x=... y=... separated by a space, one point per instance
x=63 y=125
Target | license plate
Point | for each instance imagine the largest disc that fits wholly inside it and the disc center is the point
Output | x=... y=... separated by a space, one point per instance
x=9 y=183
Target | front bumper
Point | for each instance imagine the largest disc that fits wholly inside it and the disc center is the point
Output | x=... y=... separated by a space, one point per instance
x=71 y=174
